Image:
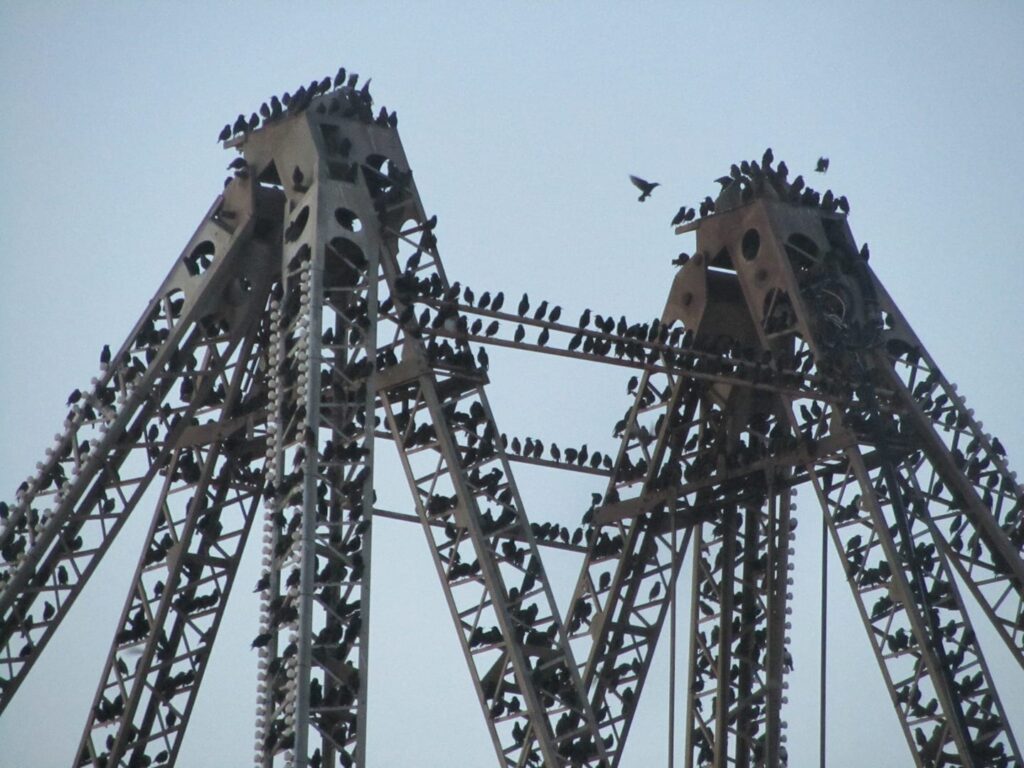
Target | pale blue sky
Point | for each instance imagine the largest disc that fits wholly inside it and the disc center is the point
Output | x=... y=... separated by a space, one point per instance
x=521 y=122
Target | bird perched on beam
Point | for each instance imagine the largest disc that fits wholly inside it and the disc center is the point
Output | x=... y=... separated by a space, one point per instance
x=684 y=215
x=822 y=165
x=645 y=187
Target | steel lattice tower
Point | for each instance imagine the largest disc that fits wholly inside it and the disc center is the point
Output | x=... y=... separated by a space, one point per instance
x=310 y=318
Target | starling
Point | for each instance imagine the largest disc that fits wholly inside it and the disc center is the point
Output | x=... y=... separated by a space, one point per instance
x=645 y=187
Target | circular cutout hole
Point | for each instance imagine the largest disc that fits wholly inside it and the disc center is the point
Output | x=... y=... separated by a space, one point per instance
x=777 y=311
x=301 y=256
x=348 y=219
x=297 y=226
x=344 y=263
x=377 y=172
x=802 y=251
x=175 y=303
x=200 y=259
x=751 y=244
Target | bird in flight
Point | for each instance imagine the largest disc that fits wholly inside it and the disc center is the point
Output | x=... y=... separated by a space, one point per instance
x=645 y=187
x=822 y=165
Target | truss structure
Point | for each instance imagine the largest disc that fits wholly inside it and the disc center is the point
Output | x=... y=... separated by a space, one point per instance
x=310 y=318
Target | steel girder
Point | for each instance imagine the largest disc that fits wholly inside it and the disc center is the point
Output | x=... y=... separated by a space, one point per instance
x=485 y=552
x=120 y=433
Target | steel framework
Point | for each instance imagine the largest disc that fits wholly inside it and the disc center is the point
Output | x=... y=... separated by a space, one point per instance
x=310 y=316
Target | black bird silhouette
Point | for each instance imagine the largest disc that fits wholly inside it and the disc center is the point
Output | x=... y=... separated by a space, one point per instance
x=681 y=259
x=520 y=333
x=261 y=640
x=543 y=338
x=225 y=133
x=767 y=158
x=822 y=165
x=105 y=354
x=645 y=187
x=499 y=300
x=684 y=215
x=240 y=125
x=524 y=305
x=541 y=310
x=339 y=79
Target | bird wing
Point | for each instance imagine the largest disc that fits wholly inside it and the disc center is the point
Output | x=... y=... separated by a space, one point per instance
x=639 y=183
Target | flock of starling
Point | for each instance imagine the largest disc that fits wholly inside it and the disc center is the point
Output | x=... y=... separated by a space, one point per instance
x=351 y=102
x=748 y=179
x=447 y=316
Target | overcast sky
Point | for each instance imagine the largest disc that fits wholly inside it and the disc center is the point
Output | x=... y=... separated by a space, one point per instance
x=521 y=122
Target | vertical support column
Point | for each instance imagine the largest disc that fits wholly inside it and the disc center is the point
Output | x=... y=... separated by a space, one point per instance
x=312 y=295
x=778 y=661
x=315 y=633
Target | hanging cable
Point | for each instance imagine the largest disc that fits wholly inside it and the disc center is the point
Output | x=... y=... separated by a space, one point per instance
x=824 y=637
x=672 y=654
